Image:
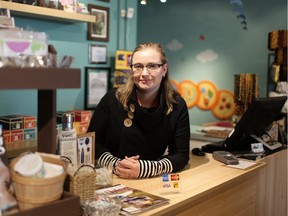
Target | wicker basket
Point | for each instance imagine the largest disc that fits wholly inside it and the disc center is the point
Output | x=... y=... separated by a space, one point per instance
x=33 y=192
x=83 y=185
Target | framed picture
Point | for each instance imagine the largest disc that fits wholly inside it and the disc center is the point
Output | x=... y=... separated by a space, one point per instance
x=99 y=30
x=97 y=54
x=96 y=85
x=105 y=0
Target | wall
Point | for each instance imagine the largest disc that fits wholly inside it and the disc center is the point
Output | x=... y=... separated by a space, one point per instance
x=71 y=39
x=199 y=26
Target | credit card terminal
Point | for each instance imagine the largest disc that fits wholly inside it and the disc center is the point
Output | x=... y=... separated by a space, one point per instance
x=225 y=157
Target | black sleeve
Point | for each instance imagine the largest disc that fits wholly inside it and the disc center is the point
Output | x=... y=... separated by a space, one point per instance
x=179 y=151
x=99 y=123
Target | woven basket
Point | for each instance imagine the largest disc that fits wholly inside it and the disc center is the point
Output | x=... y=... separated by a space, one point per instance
x=82 y=185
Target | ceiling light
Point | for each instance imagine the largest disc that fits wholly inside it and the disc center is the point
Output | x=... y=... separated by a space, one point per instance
x=143 y=2
x=163 y=1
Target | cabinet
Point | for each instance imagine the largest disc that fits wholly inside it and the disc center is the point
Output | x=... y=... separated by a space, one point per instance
x=45 y=13
x=46 y=81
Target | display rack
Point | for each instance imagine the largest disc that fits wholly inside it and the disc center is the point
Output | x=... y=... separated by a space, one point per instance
x=45 y=13
x=46 y=81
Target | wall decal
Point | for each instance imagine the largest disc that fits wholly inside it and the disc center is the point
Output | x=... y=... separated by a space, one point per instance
x=238 y=10
x=174 y=45
x=189 y=92
x=207 y=56
x=208 y=95
x=225 y=107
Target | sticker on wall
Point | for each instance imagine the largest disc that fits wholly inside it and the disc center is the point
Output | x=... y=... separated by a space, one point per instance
x=189 y=92
x=225 y=107
x=208 y=95
x=207 y=56
x=174 y=45
x=238 y=10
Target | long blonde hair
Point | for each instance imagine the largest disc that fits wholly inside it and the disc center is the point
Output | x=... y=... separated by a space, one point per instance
x=124 y=92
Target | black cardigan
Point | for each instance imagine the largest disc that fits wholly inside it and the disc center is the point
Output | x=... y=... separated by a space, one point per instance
x=148 y=136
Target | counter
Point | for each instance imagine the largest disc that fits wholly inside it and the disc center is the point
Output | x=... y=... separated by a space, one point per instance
x=207 y=187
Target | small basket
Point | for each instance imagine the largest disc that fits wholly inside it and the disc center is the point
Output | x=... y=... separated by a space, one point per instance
x=82 y=185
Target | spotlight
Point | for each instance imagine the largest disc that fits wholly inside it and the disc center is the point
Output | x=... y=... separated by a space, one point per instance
x=143 y=2
x=163 y=1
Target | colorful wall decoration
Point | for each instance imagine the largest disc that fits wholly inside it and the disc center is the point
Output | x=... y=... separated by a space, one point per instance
x=206 y=96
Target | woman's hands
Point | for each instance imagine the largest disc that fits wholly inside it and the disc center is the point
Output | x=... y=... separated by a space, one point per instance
x=128 y=168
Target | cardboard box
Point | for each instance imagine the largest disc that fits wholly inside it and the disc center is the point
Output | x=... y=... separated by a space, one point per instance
x=16 y=135
x=82 y=115
x=81 y=127
x=30 y=134
x=13 y=135
x=6 y=136
x=29 y=121
x=11 y=122
x=68 y=205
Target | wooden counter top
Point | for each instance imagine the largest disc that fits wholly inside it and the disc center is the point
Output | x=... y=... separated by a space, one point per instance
x=203 y=180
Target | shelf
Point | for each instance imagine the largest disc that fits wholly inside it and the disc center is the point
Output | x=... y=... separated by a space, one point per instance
x=39 y=78
x=45 y=13
x=46 y=81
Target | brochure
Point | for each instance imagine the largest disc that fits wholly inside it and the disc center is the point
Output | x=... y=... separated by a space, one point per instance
x=133 y=201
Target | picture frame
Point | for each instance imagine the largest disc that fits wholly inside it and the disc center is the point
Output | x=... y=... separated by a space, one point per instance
x=97 y=54
x=105 y=0
x=96 y=85
x=99 y=31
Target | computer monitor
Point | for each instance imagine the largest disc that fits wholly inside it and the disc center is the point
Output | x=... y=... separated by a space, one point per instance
x=252 y=125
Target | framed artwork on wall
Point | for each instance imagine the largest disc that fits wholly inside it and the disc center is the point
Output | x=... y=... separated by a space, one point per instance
x=96 y=85
x=97 y=54
x=99 y=30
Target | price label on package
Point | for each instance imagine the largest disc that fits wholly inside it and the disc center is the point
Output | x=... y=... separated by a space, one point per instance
x=171 y=182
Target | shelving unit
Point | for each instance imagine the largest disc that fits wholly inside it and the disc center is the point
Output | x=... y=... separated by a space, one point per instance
x=45 y=13
x=46 y=81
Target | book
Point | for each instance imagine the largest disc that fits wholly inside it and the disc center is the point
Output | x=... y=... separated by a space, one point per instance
x=133 y=201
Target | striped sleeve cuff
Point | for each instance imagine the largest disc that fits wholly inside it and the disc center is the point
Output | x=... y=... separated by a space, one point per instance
x=108 y=160
x=154 y=168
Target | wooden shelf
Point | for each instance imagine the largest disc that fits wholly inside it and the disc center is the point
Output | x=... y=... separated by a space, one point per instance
x=39 y=78
x=46 y=81
x=45 y=13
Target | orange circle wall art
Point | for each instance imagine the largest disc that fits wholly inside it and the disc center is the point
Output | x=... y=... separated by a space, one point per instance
x=225 y=108
x=207 y=95
x=189 y=92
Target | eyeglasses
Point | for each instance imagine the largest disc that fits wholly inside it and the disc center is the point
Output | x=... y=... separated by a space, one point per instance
x=151 y=67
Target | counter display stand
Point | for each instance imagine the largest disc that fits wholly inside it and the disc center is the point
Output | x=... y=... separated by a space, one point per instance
x=46 y=81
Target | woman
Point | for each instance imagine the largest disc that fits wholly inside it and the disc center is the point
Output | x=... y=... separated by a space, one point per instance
x=137 y=122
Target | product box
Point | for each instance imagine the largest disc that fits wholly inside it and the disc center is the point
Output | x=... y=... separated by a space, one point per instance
x=12 y=136
x=81 y=127
x=16 y=135
x=28 y=121
x=82 y=115
x=6 y=136
x=11 y=122
x=68 y=205
x=29 y=134
x=86 y=148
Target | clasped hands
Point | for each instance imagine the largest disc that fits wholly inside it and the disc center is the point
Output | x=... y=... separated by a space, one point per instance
x=128 y=167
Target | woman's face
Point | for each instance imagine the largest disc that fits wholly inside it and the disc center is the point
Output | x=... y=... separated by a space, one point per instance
x=148 y=80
